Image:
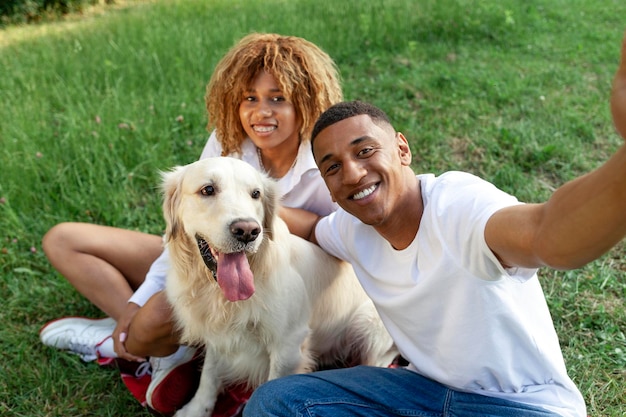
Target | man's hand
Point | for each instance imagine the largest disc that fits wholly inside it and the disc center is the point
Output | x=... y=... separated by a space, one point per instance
x=618 y=95
x=120 y=334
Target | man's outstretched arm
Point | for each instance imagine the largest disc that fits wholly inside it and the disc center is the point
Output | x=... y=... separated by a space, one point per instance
x=581 y=221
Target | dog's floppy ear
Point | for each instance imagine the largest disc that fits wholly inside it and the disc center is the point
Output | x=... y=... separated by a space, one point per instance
x=270 y=204
x=171 y=186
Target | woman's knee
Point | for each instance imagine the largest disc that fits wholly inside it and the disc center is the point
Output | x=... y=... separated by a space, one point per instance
x=153 y=324
x=58 y=239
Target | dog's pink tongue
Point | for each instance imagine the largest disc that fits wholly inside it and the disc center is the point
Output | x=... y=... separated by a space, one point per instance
x=234 y=276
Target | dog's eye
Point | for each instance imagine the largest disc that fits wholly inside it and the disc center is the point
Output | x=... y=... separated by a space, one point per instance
x=207 y=190
x=256 y=194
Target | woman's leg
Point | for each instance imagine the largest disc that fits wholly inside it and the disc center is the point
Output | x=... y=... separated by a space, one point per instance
x=152 y=331
x=175 y=368
x=105 y=264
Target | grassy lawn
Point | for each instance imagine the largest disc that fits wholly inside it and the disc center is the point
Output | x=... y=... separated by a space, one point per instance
x=93 y=107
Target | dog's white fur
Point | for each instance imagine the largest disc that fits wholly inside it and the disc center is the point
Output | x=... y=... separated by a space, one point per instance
x=308 y=308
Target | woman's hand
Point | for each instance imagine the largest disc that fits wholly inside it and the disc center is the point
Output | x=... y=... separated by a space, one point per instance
x=120 y=334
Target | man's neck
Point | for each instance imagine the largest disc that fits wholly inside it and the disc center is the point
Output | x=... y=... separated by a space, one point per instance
x=407 y=217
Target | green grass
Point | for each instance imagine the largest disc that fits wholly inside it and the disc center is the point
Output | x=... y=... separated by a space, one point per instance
x=516 y=92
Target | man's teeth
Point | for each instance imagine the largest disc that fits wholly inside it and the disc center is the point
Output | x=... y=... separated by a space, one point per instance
x=364 y=193
x=264 y=129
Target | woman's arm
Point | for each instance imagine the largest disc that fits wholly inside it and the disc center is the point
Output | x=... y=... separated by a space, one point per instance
x=300 y=222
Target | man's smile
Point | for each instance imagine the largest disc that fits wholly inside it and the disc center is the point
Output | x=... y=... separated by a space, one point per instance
x=364 y=193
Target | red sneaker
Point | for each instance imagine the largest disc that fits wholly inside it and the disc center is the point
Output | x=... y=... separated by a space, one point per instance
x=175 y=380
x=135 y=375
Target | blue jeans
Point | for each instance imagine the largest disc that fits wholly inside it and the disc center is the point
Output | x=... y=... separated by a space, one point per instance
x=369 y=391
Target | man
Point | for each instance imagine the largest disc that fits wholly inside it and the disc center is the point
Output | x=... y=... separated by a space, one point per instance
x=450 y=263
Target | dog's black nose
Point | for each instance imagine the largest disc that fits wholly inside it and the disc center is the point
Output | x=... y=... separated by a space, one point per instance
x=245 y=230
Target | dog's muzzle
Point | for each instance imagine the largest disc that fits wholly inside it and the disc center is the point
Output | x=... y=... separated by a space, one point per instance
x=207 y=257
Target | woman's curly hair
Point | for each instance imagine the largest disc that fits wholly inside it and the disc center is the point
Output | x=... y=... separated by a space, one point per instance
x=306 y=75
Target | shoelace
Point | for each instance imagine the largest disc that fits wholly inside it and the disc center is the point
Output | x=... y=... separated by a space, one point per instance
x=143 y=369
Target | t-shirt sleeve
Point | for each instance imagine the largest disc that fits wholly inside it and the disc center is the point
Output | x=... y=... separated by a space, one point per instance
x=310 y=193
x=464 y=205
x=155 y=280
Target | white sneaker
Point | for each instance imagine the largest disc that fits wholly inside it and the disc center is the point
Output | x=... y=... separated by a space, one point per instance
x=85 y=337
x=175 y=379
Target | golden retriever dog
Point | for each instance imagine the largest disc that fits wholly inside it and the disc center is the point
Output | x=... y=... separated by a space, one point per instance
x=262 y=301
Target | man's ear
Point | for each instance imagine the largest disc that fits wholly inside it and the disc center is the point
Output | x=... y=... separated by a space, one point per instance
x=404 y=150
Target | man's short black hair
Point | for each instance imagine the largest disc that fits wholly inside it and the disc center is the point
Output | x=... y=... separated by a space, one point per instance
x=345 y=110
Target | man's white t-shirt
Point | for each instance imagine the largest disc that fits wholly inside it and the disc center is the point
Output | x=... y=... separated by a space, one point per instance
x=454 y=312
x=302 y=187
